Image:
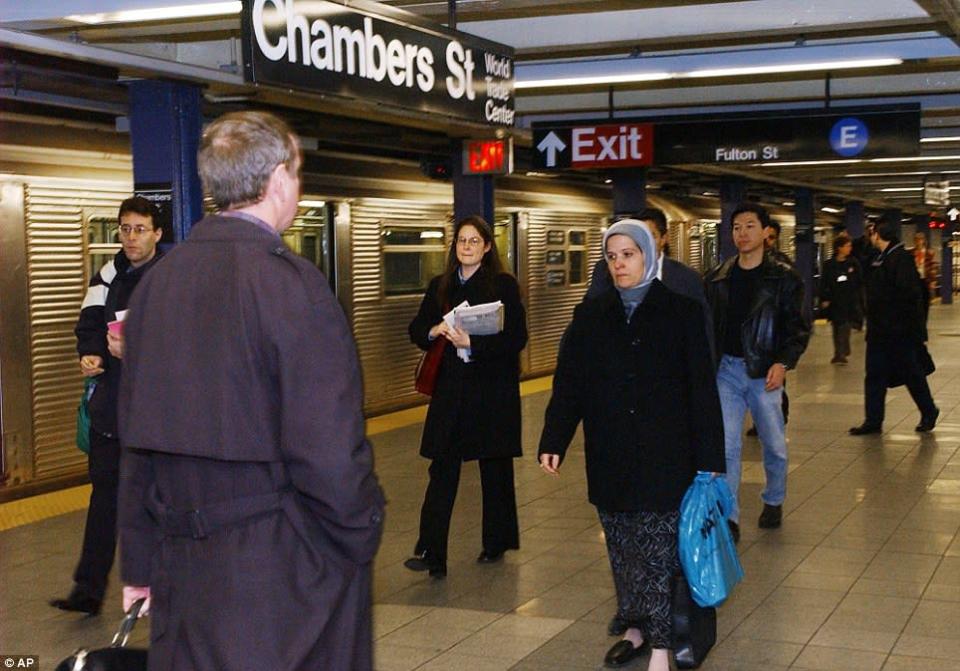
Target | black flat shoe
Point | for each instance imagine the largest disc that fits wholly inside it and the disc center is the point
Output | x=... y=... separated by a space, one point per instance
x=78 y=602
x=734 y=531
x=927 y=423
x=424 y=561
x=771 y=517
x=623 y=652
x=487 y=557
x=617 y=627
x=865 y=430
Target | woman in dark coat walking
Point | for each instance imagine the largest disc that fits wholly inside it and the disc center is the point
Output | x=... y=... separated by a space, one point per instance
x=841 y=295
x=475 y=410
x=636 y=368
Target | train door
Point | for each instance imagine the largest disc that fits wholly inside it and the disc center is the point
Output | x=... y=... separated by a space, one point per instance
x=505 y=235
x=311 y=236
x=703 y=246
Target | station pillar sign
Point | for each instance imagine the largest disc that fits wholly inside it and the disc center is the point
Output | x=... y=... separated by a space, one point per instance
x=372 y=52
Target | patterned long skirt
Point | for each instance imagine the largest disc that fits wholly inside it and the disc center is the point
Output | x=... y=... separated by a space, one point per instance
x=642 y=547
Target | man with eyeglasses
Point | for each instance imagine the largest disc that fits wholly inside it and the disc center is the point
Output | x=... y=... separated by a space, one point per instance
x=101 y=355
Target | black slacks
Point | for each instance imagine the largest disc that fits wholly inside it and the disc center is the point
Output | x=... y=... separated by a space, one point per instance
x=841 y=339
x=886 y=358
x=501 y=530
x=100 y=532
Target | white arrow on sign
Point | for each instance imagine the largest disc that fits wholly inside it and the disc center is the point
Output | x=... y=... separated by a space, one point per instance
x=550 y=145
x=953 y=214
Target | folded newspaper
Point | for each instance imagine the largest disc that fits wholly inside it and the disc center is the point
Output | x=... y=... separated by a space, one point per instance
x=483 y=319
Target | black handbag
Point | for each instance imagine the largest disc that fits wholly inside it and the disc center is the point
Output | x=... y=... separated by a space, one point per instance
x=116 y=657
x=694 y=627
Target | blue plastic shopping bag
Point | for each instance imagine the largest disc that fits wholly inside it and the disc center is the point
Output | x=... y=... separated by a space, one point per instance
x=707 y=553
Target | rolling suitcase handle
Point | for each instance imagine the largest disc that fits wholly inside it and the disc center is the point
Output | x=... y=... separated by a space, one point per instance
x=129 y=622
x=116 y=656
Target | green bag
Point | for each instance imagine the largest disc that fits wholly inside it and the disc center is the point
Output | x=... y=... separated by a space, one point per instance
x=83 y=416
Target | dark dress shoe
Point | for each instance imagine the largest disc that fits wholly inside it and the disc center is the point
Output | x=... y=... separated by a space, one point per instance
x=487 y=557
x=437 y=568
x=865 y=429
x=771 y=517
x=927 y=423
x=617 y=627
x=78 y=602
x=623 y=652
x=734 y=531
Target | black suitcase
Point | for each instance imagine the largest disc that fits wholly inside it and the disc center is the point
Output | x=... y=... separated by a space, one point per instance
x=117 y=657
x=694 y=627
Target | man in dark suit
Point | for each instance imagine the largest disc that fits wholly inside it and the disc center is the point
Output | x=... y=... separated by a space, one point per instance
x=675 y=276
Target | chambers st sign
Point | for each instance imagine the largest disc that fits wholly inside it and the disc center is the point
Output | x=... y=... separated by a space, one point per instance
x=372 y=52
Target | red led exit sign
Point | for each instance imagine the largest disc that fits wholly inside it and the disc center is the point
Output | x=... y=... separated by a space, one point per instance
x=488 y=157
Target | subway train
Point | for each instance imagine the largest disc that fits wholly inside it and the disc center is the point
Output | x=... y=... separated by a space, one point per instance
x=378 y=229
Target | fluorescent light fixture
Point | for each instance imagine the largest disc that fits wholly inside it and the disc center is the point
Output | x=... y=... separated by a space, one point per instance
x=160 y=13
x=591 y=80
x=842 y=161
x=831 y=210
x=795 y=67
x=431 y=234
x=945 y=138
x=312 y=203
x=802 y=163
x=896 y=189
x=952 y=157
x=788 y=203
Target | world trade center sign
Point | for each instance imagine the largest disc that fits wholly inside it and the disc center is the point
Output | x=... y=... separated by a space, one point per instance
x=374 y=53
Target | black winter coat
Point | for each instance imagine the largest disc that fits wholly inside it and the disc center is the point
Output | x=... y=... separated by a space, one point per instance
x=482 y=396
x=841 y=283
x=896 y=304
x=775 y=330
x=647 y=395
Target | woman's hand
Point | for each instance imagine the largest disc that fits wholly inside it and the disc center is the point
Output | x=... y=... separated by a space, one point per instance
x=115 y=344
x=440 y=329
x=131 y=593
x=550 y=463
x=90 y=365
x=459 y=338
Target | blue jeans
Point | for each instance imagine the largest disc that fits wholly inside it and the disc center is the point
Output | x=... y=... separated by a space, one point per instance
x=738 y=391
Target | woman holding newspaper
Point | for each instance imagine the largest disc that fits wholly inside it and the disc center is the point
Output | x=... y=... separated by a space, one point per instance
x=475 y=410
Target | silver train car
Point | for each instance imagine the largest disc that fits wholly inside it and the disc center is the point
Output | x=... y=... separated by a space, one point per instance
x=378 y=230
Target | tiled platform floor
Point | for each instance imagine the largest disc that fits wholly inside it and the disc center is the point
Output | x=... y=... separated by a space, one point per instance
x=864 y=575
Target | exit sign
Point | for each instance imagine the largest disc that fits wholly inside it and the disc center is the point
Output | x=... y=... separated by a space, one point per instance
x=488 y=157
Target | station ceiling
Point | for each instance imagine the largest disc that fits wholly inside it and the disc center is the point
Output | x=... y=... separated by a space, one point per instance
x=807 y=54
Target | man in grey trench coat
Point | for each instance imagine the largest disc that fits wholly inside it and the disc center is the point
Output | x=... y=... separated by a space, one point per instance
x=249 y=509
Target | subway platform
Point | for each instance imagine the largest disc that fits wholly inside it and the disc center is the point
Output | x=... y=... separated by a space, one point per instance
x=864 y=575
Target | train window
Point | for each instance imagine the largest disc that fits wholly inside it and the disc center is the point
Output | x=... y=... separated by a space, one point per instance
x=102 y=241
x=309 y=236
x=578 y=263
x=503 y=233
x=577 y=238
x=412 y=255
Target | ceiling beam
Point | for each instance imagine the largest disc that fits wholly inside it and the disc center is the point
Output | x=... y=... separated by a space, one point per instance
x=732 y=39
x=947 y=11
x=489 y=10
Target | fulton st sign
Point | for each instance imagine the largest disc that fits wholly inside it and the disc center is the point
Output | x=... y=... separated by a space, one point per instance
x=820 y=134
x=371 y=52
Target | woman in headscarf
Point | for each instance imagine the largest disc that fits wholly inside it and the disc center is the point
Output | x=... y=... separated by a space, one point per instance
x=636 y=369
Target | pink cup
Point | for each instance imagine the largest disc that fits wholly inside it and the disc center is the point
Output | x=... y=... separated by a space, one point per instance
x=115 y=327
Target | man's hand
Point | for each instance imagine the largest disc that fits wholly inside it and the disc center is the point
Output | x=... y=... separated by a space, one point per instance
x=131 y=593
x=550 y=463
x=775 y=376
x=90 y=365
x=115 y=344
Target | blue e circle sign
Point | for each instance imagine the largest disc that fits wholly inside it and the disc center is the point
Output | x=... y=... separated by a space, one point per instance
x=849 y=136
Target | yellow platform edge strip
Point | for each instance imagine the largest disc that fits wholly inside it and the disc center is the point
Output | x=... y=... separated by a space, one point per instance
x=36 y=508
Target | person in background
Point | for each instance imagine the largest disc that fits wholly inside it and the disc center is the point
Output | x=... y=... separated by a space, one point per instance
x=250 y=512
x=101 y=356
x=761 y=332
x=636 y=369
x=474 y=413
x=896 y=332
x=926 y=263
x=841 y=295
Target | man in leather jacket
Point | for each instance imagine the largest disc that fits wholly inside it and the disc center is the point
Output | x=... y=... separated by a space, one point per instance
x=760 y=332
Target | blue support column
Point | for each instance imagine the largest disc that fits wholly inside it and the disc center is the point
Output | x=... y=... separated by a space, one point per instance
x=472 y=194
x=803 y=243
x=629 y=190
x=853 y=218
x=946 y=266
x=165 y=126
x=733 y=191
